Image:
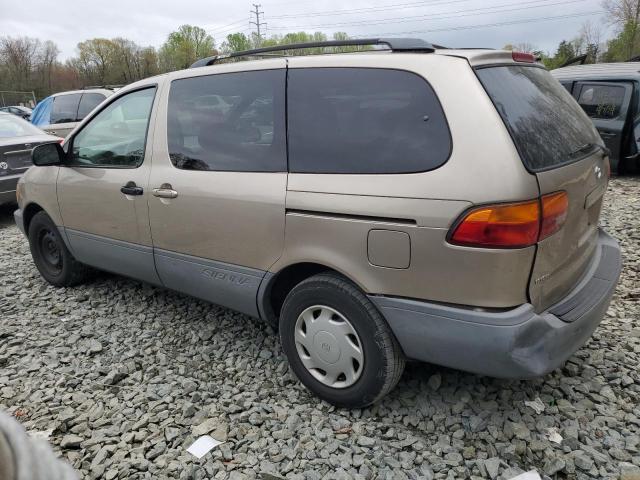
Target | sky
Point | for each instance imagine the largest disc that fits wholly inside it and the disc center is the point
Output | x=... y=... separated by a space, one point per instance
x=452 y=23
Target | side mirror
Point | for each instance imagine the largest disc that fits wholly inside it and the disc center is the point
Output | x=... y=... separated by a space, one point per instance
x=47 y=154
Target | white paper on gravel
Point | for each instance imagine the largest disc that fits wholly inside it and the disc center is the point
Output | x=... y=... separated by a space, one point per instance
x=532 y=475
x=202 y=446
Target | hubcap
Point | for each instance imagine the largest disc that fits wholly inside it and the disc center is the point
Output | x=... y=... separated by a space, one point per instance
x=329 y=346
x=50 y=250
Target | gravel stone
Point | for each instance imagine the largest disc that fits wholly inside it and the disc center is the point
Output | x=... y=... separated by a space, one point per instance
x=125 y=376
x=71 y=441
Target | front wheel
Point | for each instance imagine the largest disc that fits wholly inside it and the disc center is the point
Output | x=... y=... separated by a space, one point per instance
x=337 y=343
x=54 y=261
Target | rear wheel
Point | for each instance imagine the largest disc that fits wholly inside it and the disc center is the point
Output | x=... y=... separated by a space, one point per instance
x=51 y=256
x=337 y=343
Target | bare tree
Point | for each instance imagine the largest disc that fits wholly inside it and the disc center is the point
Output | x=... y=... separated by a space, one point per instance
x=18 y=55
x=591 y=35
x=525 y=47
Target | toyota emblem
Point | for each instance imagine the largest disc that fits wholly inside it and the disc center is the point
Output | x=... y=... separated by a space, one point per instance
x=598 y=171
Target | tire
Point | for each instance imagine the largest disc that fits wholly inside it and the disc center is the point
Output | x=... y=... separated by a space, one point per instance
x=50 y=254
x=325 y=321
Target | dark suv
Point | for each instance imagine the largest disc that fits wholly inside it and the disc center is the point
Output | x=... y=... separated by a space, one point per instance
x=608 y=93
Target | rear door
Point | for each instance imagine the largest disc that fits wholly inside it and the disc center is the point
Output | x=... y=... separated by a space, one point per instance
x=607 y=104
x=559 y=145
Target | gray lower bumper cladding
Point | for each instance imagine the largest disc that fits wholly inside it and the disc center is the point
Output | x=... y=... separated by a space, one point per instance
x=517 y=343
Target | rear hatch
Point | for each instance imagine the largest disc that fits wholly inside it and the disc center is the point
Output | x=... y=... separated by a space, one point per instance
x=560 y=146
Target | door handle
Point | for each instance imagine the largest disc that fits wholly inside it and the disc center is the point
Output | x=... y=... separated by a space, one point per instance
x=131 y=189
x=165 y=191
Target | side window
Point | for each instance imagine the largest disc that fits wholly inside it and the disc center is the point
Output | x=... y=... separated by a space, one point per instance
x=228 y=122
x=364 y=121
x=568 y=86
x=65 y=108
x=602 y=101
x=116 y=136
x=88 y=102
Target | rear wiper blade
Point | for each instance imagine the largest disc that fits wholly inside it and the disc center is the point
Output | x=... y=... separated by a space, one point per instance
x=587 y=147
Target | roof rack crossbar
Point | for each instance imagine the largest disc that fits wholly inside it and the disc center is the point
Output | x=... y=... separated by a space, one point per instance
x=394 y=44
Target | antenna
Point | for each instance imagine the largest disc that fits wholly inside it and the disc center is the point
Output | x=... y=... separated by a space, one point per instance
x=256 y=11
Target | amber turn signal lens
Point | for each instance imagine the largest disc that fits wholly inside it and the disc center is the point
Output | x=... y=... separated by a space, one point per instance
x=555 y=207
x=514 y=225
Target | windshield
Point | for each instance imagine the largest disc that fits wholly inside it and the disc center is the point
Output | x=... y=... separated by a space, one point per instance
x=546 y=123
x=12 y=126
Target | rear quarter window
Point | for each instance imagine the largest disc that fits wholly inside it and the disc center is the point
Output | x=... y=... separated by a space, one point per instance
x=88 y=102
x=364 y=121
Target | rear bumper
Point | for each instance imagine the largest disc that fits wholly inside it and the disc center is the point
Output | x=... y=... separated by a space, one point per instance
x=517 y=343
x=8 y=188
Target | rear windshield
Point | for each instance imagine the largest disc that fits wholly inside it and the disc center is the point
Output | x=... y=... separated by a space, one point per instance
x=546 y=123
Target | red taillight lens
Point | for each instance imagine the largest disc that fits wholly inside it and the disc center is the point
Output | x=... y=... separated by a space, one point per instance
x=513 y=225
x=554 y=213
x=523 y=57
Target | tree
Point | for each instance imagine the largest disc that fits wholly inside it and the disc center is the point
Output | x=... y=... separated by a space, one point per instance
x=591 y=35
x=95 y=60
x=184 y=46
x=19 y=56
x=236 y=42
x=625 y=16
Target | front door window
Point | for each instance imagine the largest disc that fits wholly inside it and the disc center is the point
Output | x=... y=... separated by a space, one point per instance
x=115 y=137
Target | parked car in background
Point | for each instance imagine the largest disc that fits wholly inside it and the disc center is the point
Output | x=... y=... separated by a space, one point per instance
x=60 y=113
x=20 y=111
x=17 y=139
x=354 y=199
x=609 y=93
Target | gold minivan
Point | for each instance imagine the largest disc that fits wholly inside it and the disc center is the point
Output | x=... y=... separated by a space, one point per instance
x=407 y=203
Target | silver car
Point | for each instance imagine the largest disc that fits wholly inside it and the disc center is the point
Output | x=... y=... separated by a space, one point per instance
x=17 y=139
x=61 y=112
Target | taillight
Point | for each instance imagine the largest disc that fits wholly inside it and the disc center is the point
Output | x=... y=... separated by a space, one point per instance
x=554 y=213
x=523 y=57
x=514 y=225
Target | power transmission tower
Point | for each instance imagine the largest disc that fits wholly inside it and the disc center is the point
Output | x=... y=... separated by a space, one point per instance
x=258 y=23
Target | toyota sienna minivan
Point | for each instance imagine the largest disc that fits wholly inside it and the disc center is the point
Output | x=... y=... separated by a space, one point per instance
x=412 y=203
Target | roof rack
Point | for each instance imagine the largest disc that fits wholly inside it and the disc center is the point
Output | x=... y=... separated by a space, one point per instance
x=394 y=44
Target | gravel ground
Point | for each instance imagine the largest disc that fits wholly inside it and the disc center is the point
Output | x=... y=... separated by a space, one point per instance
x=124 y=376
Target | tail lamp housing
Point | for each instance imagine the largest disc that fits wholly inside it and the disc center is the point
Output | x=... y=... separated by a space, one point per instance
x=511 y=225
